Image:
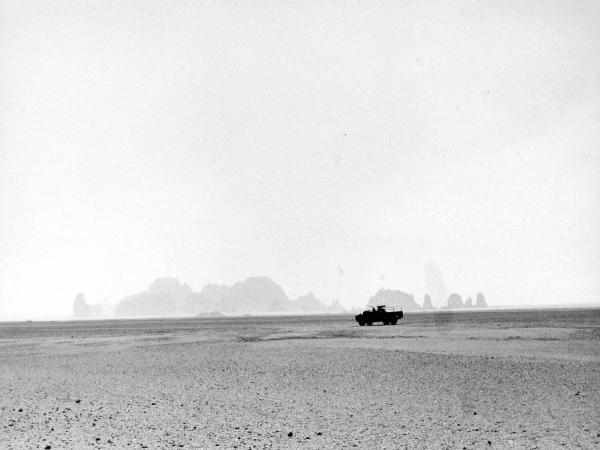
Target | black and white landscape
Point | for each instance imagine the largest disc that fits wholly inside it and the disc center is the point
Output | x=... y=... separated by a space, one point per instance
x=299 y=224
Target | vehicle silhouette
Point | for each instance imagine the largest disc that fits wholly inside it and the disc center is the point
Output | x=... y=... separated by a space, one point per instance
x=380 y=314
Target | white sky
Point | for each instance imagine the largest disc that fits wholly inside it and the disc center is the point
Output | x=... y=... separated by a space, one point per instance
x=335 y=146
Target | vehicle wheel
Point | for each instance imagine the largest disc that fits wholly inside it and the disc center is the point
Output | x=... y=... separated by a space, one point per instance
x=394 y=322
x=369 y=323
x=361 y=323
x=385 y=322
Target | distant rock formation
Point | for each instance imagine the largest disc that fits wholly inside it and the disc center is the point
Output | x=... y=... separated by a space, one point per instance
x=394 y=298
x=262 y=295
x=455 y=301
x=307 y=303
x=84 y=310
x=146 y=305
x=194 y=304
x=206 y=300
x=480 y=302
x=171 y=287
x=435 y=283
x=80 y=307
x=165 y=297
x=427 y=302
x=335 y=307
x=257 y=295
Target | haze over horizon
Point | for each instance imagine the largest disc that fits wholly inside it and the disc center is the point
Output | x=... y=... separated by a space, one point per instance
x=335 y=147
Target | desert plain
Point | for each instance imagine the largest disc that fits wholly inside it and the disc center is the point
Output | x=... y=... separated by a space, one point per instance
x=477 y=379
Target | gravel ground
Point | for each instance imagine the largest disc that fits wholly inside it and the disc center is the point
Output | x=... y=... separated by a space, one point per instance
x=463 y=380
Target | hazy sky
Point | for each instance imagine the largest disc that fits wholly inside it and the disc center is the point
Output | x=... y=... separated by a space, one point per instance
x=335 y=146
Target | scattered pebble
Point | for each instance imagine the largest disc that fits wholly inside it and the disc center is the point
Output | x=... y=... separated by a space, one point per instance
x=393 y=380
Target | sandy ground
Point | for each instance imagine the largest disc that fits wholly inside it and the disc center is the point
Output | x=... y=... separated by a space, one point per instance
x=448 y=380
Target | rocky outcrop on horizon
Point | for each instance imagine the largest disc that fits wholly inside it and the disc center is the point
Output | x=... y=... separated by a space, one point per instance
x=208 y=299
x=480 y=302
x=171 y=287
x=80 y=307
x=263 y=295
x=455 y=301
x=335 y=307
x=434 y=282
x=84 y=310
x=427 y=302
x=167 y=297
x=254 y=294
x=146 y=305
x=395 y=298
x=307 y=303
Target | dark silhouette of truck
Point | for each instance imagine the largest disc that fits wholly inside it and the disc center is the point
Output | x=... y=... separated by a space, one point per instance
x=380 y=314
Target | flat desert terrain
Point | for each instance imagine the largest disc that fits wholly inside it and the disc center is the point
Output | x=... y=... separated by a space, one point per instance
x=493 y=379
